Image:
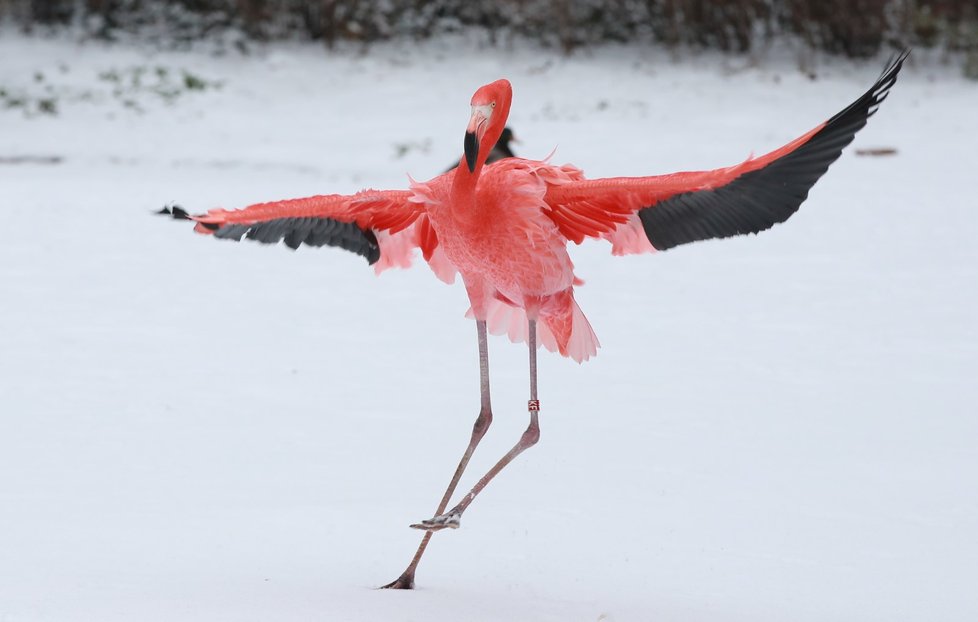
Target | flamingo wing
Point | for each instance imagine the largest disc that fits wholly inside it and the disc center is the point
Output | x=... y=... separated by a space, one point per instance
x=685 y=207
x=363 y=223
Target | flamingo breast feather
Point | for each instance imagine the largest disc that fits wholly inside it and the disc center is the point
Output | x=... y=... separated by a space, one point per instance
x=508 y=240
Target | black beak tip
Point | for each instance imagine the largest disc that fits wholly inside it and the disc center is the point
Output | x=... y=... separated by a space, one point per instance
x=471 y=150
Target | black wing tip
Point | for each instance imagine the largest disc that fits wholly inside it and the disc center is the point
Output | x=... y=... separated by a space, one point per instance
x=758 y=200
x=295 y=232
x=178 y=213
x=867 y=105
x=888 y=77
x=372 y=251
x=894 y=63
x=175 y=211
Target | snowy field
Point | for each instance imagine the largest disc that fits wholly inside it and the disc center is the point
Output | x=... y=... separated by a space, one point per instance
x=780 y=427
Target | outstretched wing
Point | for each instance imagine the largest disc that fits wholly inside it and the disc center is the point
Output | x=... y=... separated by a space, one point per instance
x=380 y=225
x=686 y=207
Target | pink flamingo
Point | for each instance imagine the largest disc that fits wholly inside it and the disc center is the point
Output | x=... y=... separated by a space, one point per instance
x=505 y=227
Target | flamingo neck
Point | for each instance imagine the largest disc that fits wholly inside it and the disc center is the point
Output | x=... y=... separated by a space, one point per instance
x=463 y=208
x=465 y=180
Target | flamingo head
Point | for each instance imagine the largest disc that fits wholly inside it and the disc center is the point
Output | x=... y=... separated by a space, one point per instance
x=490 y=108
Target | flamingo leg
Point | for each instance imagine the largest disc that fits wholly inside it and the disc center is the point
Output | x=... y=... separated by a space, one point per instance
x=529 y=438
x=406 y=580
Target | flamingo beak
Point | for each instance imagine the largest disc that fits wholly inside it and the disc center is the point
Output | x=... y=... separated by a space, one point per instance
x=474 y=133
x=471 y=146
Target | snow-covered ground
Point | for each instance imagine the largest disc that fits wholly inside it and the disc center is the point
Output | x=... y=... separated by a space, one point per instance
x=779 y=427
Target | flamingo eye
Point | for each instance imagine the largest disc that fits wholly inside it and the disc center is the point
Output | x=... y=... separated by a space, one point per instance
x=493 y=104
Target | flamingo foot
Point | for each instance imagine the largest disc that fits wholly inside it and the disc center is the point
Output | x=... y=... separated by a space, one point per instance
x=403 y=582
x=450 y=520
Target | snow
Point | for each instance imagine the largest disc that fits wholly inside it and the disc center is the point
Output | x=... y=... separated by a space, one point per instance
x=778 y=427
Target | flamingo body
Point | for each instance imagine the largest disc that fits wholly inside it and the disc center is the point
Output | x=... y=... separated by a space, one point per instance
x=512 y=258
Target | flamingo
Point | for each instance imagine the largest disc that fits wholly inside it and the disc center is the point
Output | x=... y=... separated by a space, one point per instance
x=504 y=228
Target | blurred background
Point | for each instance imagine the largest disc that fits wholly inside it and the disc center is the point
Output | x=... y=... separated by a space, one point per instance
x=854 y=28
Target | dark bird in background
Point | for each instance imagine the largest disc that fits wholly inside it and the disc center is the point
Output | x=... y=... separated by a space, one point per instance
x=501 y=149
